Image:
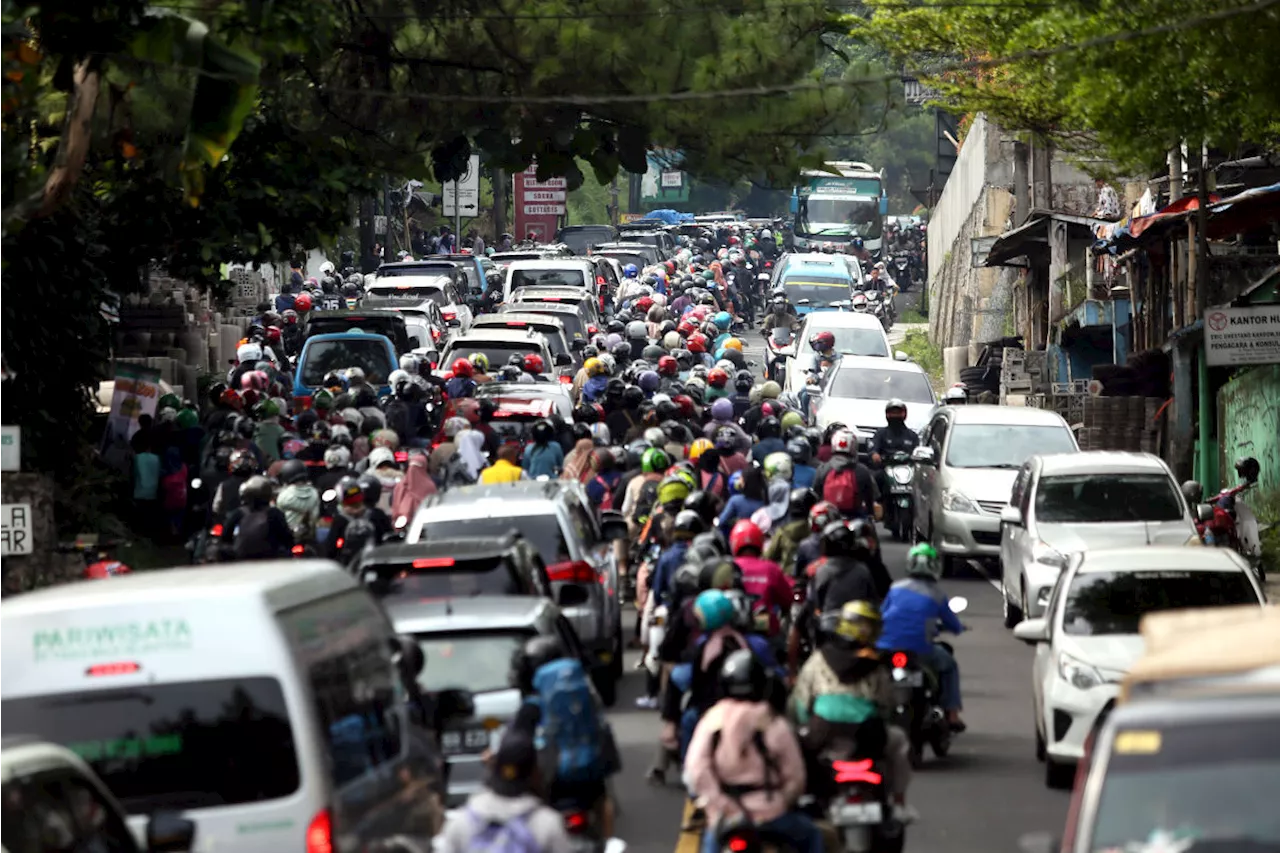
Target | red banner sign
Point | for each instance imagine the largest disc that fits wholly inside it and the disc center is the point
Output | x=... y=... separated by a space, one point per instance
x=538 y=206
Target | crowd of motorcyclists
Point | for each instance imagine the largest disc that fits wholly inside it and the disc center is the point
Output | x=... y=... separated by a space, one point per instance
x=771 y=626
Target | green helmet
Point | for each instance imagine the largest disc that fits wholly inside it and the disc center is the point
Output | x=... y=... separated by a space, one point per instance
x=654 y=461
x=188 y=418
x=923 y=561
x=169 y=401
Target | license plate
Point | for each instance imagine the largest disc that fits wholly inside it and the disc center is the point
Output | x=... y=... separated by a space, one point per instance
x=910 y=678
x=858 y=814
x=464 y=742
x=899 y=489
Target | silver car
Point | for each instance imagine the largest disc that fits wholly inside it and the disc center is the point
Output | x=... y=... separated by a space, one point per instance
x=966 y=463
x=468 y=644
x=576 y=545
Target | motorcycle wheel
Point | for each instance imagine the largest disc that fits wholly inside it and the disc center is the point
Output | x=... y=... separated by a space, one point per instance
x=889 y=841
x=940 y=743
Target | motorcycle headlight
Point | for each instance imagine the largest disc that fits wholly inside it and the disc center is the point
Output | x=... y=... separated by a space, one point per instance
x=956 y=502
x=901 y=475
x=1076 y=673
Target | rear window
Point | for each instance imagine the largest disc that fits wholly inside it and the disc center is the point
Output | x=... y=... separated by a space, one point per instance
x=420 y=270
x=542 y=531
x=1102 y=498
x=1101 y=603
x=573 y=325
x=473 y=577
x=625 y=258
x=182 y=745
x=478 y=662
x=497 y=353
x=554 y=335
x=547 y=278
x=849 y=340
x=582 y=239
x=433 y=292
x=368 y=354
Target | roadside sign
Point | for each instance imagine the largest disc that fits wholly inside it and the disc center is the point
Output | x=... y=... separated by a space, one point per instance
x=1242 y=335
x=10 y=448
x=462 y=197
x=15 y=530
x=538 y=204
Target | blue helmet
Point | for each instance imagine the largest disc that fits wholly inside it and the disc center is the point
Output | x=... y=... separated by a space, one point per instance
x=630 y=270
x=723 y=320
x=857 y=242
x=713 y=610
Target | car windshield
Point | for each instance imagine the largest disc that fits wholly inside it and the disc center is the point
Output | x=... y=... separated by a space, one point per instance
x=547 y=278
x=573 y=325
x=1101 y=603
x=867 y=384
x=554 y=336
x=542 y=531
x=828 y=216
x=1004 y=445
x=818 y=289
x=440 y=269
x=497 y=353
x=402 y=580
x=433 y=291
x=582 y=239
x=368 y=354
x=176 y=745
x=474 y=661
x=1200 y=785
x=625 y=258
x=1101 y=498
x=849 y=341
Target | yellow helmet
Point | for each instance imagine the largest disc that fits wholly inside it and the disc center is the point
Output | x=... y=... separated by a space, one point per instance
x=699 y=446
x=594 y=367
x=733 y=343
x=859 y=623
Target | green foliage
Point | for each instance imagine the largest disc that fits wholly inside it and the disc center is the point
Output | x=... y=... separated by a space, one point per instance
x=922 y=351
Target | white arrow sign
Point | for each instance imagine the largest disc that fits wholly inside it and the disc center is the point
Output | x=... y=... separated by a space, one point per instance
x=464 y=194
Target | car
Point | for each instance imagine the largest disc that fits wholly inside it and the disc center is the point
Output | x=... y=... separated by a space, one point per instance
x=856 y=388
x=323 y=354
x=1071 y=502
x=455 y=271
x=1089 y=635
x=575 y=544
x=551 y=327
x=588 y=306
x=453 y=567
x=572 y=273
x=581 y=238
x=54 y=801
x=425 y=324
x=476 y=268
x=388 y=323
x=965 y=466
x=856 y=335
x=640 y=254
x=650 y=236
x=442 y=290
x=468 y=643
x=577 y=326
x=265 y=699
x=498 y=345
x=536 y=253
x=813 y=282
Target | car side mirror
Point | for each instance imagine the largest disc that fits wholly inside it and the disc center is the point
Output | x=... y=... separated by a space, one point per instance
x=1032 y=631
x=454 y=704
x=613 y=527
x=1011 y=515
x=563 y=359
x=168 y=831
x=572 y=595
x=924 y=456
x=899 y=355
x=1204 y=512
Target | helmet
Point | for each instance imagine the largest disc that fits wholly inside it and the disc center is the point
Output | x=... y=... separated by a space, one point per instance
x=722 y=409
x=713 y=610
x=800 y=503
x=637 y=330
x=777 y=466
x=649 y=381
x=955 y=396
x=302 y=303
x=479 y=361
x=822 y=341
x=242 y=462
x=654 y=461
x=922 y=560
x=293 y=471
x=246 y=354
x=859 y=625
x=723 y=320
x=771 y=391
x=527 y=660
x=744 y=677
x=630 y=270
x=327 y=268
x=668 y=366
x=461 y=367
x=543 y=431
x=733 y=344
x=1193 y=492
x=673 y=490
x=594 y=367
x=718 y=377
x=799 y=451
x=745 y=534
x=838 y=540
x=256 y=491
x=337 y=457
x=895 y=404
x=843 y=441
x=370 y=485
x=688 y=523
x=533 y=364
x=697 y=342
x=699 y=446
x=769 y=427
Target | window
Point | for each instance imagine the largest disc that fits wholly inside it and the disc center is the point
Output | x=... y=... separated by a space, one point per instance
x=475 y=661
x=434 y=292
x=1020 y=486
x=543 y=531
x=865 y=383
x=368 y=354
x=498 y=353
x=471 y=577
x=584 y=526
x=1004 y=445
x=173 y=746
x=834 y=216
x=59 y=811
x=819 y=290
x=569 y=637
x=1105 y=603
x=938 y=435
x=547 y=278
x=1102 y=498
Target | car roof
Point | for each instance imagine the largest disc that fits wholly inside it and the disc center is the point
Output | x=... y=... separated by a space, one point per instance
x=538 y=307
x=352 y=315
x=623 y=245
x=876 y=362
x=550 y=263
x=428 y=263
x=396 y=281
x=487 y=320
x=497 y=500
x=523 y=389
x=1146 y=558
x=841 y=320
x=523 y=294
x=348 y=336
x=498 y=336
x=281 y=583
x=1180 y=710
x=455 y=256
x=463 y=547
x=1100 y=462
x=471 y=613
x=1022 y=415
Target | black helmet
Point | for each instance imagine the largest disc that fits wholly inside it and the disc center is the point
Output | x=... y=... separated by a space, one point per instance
x=742 y=381
x=815 y=437
x=800 y=451
x=706 y=546
x=530 y=657
x=688 y=524
x=372 y=488
x=255 y=492
x=542 y=431
x=632 y=397
x=635 y=452
x=666 y=411
x=769 y=427
x=242 y=462
x=585 y=413
x=615 y=327
x=743 y=676
x=1193 y=492
x=613 y=388
x=580 y=431
x=865 y=538
x=621 y=352
x=837 y=540
x=686 y=580
x=293 y=471
x=589 y=351
x=653 y=352
x=800 y=502
x=703 y=503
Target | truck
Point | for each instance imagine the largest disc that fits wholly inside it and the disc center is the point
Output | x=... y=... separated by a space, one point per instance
x=837 y=203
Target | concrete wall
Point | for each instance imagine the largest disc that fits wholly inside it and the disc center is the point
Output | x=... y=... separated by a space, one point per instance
x=1249 y=425
x=966 y=303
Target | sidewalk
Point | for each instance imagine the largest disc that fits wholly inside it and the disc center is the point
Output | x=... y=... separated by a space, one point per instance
x=899 y=331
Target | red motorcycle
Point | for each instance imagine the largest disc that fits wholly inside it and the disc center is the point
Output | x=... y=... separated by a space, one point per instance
x=1226 y=521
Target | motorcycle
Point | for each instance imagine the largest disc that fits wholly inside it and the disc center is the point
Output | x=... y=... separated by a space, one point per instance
x=861 y=812
x=918 y=700
x=876 y=308
x=1228 y=522
x=899 y=512
x=902 y=267
x=780 y=347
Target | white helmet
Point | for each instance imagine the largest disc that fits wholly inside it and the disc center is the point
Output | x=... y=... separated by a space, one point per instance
x=411 y=363
x=249 y=353
x=396 y=377
x=327 y=268
x=380 y=456
x=337 y=456
x=766 y=234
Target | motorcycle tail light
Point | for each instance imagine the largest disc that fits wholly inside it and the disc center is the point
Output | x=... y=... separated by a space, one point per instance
x=575 y=822
x=297 y=549
x=856 y=771
x=738 y=844
x=899 y=660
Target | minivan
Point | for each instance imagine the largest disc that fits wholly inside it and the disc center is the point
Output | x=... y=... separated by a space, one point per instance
x=323 y=354
x=264 y=701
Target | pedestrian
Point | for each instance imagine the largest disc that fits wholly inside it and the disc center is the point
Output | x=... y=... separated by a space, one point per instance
x=146 y=484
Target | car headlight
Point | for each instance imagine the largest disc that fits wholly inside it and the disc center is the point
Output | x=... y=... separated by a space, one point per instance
x=1076 y=673
x=956 y=502
x=1047 y=556
x=901 y=475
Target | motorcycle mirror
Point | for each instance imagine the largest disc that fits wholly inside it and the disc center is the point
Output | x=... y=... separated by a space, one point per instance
x=329 y=495
x=431 y=407
x=959 y=604
x=197 y=483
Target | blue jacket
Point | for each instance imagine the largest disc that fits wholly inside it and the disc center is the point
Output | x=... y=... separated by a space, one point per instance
x=593 y=388
x=766 y=446
x=802 y=476
x=668 y=564
x=459 y=387
x=738 y=507
x=543 y=460
x=910 y=614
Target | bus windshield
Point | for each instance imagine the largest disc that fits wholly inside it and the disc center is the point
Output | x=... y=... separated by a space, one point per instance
x=838 y=216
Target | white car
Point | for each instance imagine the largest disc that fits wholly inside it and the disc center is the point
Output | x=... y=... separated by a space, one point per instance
x=576 y=273
x=1068 y=502
x=1088 y=637
x=856 y=335
x=855 y=390
x=439 y=289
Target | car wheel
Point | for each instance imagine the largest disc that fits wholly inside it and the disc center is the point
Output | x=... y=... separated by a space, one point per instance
x=1058 y=776
x=606 y=686
x=1041 y=752
x=615 y=666
x=1012 y=613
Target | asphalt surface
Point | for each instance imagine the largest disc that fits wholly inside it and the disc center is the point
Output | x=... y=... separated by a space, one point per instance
x=980 y=799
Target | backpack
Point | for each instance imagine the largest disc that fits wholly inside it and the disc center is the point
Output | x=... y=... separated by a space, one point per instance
x=252 y=536
x=173 y=490
x=513 y=836
x=841 y=489
x=570 y=720
x=644 y=503
x=606 y=496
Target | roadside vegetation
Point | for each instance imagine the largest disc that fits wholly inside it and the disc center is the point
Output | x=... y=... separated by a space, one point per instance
x=925 y=353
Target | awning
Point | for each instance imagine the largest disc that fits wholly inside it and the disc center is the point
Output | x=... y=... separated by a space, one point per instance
x=1033 y=236
x=1241 y=212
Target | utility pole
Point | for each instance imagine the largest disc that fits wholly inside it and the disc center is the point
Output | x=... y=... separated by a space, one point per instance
x=613 y=204
x=386 y=214
x=499 y=179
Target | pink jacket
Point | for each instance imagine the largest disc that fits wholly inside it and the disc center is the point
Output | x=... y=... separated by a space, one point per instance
x=737 y=761
x=769 y=585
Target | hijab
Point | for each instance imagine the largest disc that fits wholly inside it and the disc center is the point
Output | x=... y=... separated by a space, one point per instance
x=470 y=444
x=413 y=489
x=577 y=462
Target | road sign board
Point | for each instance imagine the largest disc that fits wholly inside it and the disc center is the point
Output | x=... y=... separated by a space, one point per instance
x=15 y=530
x=544 y=195
x=544 y=209
x=464 y=193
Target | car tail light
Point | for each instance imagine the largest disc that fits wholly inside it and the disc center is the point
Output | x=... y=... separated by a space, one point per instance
x=216 y=530
x=566 y=379
x=435 y=336
x=402 y=456
x=516 y=325
x=449 y=316
x=591 y=330
x=320 y=833
x=575 y=822
x=600 y=281
x=576 y=571
x=303 y=401
x=119 y=668
x=433 y=562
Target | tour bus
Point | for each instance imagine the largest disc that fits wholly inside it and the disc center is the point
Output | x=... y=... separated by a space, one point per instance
x=835 y=204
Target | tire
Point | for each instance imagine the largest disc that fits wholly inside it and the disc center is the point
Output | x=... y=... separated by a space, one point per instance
x=616 y=665
x=1012 y=612
x=941 y=744
x=1058 y=777
x=950 y=565
x=606 y=686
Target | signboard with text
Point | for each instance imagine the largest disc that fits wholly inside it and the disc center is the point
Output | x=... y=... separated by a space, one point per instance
x=464 y=194
x=538 y=205
x=1242 y=335
x=10 y=448
x=15 y=530
x=137 y=390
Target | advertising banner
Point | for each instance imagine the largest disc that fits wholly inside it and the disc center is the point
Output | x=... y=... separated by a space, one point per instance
x=137 y=390
x=538 y=205
x=1242 y=335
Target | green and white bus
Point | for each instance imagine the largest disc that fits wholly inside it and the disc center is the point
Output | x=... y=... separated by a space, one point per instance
x=838 y=203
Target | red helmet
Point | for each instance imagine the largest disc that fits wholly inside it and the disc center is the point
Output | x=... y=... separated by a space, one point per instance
x=733 y=241
x=697 y=342
x=685 y=402
x=667 y=366
x=533 y=364
x=273 y=335
x=670 y=265
x=822 y=341
x=461 y=367
x=745 y=534
x=105 y=569
x=644 y=303
x=822 y=514
x=768 y=409
x=686 y=328
x=302 y=302
x=718 y=377
x=232 y=399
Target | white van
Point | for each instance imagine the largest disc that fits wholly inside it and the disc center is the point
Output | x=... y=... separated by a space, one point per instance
x=260 y=700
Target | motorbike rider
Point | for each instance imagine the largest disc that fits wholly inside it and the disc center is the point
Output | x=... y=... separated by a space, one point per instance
x=261 y=530
x=762 y=579
x=894 y=437
x=955 y=396
x=299 y=501
x=911 y=613
x=242 y=465
x=352 y=527
x=844 y=481
x=781 y=316
x=844 y=693
x=785 y=541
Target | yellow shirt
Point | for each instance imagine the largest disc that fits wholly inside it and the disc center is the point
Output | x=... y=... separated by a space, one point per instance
x=501 y=471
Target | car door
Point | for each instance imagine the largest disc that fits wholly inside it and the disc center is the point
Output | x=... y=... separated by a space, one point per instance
x=1024 y=538
x=600 y=554
x=925 y=481
x=460 y=307
x=1042 y=668
x=1009 y=532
